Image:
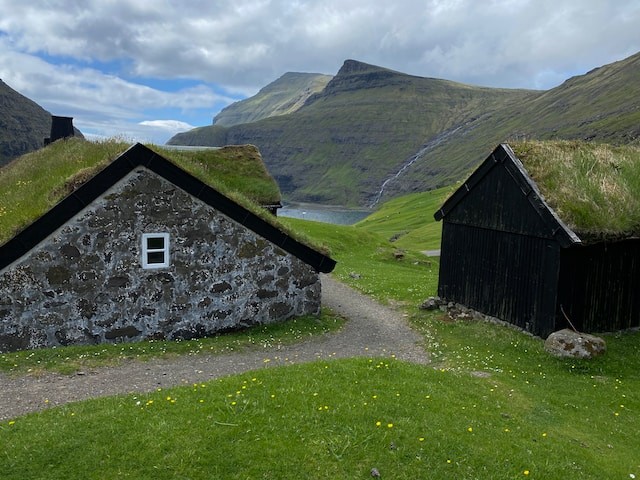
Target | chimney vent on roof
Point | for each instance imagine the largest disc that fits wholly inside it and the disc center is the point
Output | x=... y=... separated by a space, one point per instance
x=61 y=127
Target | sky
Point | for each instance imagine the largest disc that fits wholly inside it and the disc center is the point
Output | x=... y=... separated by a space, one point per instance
x=143 y=70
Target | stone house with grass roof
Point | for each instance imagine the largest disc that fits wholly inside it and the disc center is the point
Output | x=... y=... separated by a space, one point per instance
x=143 y=246
x=546 y=235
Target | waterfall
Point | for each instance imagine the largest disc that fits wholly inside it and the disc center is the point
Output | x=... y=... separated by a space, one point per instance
x=424 y=149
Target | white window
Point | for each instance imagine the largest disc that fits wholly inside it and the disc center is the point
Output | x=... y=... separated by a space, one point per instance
x=155 y=250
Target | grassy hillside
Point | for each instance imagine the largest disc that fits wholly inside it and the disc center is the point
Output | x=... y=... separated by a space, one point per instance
x=602 y=106
x=366 y=123
x=408 y=221
x=369 y=122
x=285 y=95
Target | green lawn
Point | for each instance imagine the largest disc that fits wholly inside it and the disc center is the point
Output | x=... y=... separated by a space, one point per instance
x=492 y=405
x=408 y=220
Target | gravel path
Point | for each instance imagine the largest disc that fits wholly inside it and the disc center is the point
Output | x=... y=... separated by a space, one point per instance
x=372 y=330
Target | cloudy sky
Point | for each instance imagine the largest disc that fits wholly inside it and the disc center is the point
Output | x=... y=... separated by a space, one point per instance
x=146 y=69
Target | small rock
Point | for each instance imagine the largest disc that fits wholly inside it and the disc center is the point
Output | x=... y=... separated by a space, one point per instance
x=355 y=275
x=375 y=473
x=567 y=343
x=431 y=303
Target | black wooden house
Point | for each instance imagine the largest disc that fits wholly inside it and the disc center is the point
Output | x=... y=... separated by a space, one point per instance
x=507 y=253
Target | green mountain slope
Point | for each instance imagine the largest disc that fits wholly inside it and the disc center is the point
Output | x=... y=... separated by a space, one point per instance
x=286 y=95
x=23 y=124
x=601 y=106
x=374 y=133
x=345 y=141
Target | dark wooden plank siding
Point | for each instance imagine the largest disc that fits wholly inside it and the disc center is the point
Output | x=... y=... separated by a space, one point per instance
x=499 y=202
x=599 y=286
x=509 y=276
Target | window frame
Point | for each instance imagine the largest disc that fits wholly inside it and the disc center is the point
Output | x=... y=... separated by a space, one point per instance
x=146 y=250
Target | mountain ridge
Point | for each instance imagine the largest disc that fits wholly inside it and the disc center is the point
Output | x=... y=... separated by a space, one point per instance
x=375 y=133
x=282 y=96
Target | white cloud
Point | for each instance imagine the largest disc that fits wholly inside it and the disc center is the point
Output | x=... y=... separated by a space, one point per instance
x=171 y=125
x=247 y=43
x=104 y=62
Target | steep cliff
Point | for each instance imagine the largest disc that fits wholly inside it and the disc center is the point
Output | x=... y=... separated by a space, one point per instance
x=23 y=124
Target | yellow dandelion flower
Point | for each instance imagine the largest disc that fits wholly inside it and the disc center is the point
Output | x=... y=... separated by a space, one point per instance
x=378 y=424
x=526 y=472
x=389 y=425
x=470 y=429
x=421 y=439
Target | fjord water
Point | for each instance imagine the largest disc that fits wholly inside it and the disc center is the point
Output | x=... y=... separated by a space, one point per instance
x=323 y=213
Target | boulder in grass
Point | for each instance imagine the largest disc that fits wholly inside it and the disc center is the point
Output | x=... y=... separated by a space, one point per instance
x=567 y=343
x=431 y=303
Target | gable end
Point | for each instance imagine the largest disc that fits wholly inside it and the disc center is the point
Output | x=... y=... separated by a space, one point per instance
x=504 y=158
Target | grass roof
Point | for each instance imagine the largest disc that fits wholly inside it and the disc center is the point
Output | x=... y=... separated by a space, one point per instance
x=594 y=188
x=234 y=168
x=32 y=184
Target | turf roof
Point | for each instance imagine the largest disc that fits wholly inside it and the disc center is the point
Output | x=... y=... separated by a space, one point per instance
x=594 y=188
x=32 y=184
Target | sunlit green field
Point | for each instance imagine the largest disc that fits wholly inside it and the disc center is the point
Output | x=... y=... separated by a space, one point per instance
x=491 y=405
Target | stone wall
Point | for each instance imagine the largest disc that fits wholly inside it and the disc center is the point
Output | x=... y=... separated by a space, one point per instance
x=85 y=284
